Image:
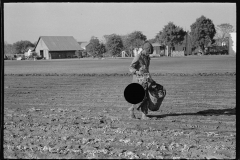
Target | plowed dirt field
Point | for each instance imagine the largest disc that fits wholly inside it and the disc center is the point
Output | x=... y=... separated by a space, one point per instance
x=77 y=116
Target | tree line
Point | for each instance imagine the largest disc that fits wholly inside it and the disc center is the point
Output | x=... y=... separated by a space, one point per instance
x=20 y=47
x=203 y=34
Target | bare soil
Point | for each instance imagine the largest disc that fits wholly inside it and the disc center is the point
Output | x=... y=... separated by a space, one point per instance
x=77 y=116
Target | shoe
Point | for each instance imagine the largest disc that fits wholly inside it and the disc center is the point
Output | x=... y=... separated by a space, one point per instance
x=131 y=114
x=131 y=111
x=144 y=117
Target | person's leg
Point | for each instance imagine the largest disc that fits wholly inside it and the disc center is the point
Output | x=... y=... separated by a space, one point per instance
x=144 y=115
x=131 y=111
x=144 y=110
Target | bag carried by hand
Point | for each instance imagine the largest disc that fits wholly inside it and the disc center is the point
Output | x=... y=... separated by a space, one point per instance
x=155 y=95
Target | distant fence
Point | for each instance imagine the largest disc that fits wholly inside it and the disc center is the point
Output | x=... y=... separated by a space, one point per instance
x=177 y=53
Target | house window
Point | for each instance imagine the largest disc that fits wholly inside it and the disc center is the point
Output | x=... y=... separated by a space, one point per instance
x=41 y=53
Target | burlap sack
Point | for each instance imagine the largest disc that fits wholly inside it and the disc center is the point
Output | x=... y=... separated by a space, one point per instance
x=155 y=99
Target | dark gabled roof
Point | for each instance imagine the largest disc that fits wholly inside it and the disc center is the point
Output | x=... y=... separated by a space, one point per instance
x=60 y=43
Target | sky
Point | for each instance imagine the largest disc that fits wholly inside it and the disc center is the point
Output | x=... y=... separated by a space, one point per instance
x=29 y=21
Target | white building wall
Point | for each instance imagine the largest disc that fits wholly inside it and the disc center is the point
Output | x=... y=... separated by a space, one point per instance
x=42 y=46
x=166 y=52
x=46 y=54
x=232 y=43
x=177 y=53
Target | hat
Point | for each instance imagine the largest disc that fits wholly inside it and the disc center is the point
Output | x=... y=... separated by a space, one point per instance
x=148 y=47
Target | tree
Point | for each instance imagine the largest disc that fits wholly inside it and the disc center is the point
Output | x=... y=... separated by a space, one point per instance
x=202 y=33
x=125 y=42
x=135 y=39
x=159 y=38
x=84 y=53
x=222 y=32
x=9 y=49
x=171 y=35
x=114 y=44
x=78 y=54
x=21 y=46
x=35 y=43
x=93 y=47
x=96 y=49
x=153 y=40
x=100 y=50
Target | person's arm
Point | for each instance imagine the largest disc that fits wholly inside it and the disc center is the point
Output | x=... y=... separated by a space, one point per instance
x=150 y=77
x=134 y=64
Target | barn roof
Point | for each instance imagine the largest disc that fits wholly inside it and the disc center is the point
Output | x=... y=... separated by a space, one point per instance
x=60 y=43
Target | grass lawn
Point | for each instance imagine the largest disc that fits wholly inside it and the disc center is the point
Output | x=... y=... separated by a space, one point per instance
x=189 y=64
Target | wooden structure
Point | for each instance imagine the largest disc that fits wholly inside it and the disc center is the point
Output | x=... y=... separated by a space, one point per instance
x=56 y=47
x=156 y=48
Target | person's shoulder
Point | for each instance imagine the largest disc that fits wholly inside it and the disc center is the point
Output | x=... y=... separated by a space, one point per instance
x=138 y=55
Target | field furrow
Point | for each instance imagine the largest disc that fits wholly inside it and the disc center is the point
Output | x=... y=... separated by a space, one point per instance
x=86 y=117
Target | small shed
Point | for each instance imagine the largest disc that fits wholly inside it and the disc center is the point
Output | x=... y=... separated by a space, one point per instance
x=55 y=47
x=159 y=49
x=156 y=48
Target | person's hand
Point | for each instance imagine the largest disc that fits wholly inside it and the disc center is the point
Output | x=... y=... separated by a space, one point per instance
x=142 y=69
x=138 y=72
x=139 y=50
x=135 y=51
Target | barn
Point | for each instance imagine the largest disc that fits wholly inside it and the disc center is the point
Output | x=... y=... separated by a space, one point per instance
x=56 y=47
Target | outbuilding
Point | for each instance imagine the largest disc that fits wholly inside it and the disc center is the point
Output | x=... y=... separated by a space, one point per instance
x=56 y=47
x=156 y=47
